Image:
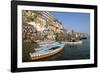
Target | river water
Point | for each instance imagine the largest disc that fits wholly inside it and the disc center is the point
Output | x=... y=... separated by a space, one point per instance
x=75 y=52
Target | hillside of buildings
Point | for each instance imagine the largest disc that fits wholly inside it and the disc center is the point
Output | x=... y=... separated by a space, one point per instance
x=39 y=26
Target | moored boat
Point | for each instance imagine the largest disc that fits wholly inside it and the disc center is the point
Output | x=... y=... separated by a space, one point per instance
x=47 y=51
x=73 y=43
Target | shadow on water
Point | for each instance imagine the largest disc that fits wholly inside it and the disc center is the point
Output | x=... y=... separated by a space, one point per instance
x=27 y=48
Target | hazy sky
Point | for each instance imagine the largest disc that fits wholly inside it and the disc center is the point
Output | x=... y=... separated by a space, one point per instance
x=76 y=21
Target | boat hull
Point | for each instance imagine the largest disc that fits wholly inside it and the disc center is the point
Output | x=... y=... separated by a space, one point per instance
x=46 y=52
x=73 y=43
x=46 y=55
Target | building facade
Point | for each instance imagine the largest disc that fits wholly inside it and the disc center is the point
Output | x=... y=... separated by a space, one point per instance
x=41 y=25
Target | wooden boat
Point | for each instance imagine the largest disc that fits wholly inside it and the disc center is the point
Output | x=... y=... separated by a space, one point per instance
x=47 y=51
x=73 y=43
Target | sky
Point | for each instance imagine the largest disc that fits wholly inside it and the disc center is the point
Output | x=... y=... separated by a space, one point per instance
x=79 y=22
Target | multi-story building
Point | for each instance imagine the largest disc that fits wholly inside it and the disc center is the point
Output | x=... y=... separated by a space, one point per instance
x=44 y=26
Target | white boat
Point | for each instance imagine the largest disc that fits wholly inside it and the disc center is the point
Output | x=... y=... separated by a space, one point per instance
x=73 y=43
x=47 y=51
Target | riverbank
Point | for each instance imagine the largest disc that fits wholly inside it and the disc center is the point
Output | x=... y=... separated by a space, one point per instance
x=70 y=52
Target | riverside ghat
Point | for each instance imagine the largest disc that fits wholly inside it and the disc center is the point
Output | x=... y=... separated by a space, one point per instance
x=49 y=48
x=44 y=36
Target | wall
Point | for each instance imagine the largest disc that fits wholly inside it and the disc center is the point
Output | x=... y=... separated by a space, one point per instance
x=5 y=37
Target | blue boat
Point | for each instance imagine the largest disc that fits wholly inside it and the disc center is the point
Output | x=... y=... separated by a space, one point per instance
x=47 y=51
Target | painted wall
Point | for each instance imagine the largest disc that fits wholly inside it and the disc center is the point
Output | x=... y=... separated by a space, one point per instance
x=5 y=36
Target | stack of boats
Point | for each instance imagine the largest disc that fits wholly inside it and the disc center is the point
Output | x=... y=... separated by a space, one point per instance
x=47 y=49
